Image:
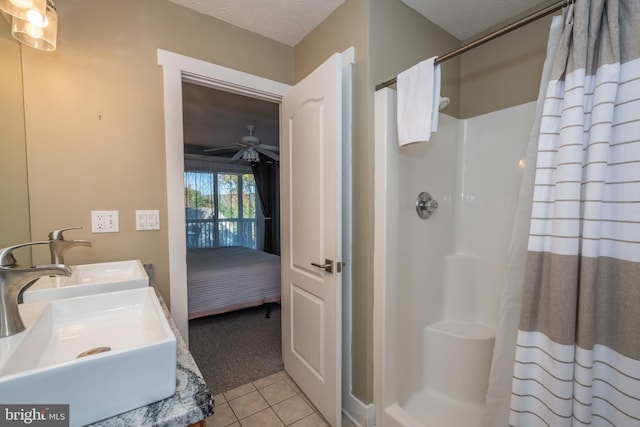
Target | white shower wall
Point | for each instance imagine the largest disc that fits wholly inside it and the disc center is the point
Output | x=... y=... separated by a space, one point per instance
x=493 y=147
x=472 y=168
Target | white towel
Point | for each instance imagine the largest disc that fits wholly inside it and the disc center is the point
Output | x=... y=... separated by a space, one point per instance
x=418 y=102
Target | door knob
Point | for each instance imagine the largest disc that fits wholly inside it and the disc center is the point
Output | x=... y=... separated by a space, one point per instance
x=328 y=265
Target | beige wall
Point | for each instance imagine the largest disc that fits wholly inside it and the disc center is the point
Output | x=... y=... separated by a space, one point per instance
x=505 y=71
x=14 y=213
x=94 y=117
x=401 y=37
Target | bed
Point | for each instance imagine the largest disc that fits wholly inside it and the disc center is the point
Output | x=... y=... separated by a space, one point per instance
x=230 y=278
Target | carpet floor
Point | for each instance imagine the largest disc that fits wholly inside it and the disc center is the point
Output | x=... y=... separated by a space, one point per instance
x=236 y=348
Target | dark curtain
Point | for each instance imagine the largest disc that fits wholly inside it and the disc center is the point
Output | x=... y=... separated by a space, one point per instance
x=267 y=175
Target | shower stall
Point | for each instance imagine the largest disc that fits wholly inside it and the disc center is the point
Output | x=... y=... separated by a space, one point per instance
x=438 y=281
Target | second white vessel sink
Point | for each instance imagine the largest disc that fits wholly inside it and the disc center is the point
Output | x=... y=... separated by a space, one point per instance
x=88 y=279
x=101 y=354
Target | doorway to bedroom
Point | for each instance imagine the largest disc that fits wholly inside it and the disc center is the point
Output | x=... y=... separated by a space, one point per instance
x=231 y=185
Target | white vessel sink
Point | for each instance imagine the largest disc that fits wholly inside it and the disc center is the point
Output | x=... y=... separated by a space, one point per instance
x=102 y=354
x=88 y=279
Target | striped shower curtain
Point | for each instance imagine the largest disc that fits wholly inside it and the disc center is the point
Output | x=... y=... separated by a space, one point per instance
x=578 y=346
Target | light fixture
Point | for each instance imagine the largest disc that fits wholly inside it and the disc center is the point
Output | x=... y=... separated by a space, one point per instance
x=250 y=156
x=39 y=32
x=24 y=9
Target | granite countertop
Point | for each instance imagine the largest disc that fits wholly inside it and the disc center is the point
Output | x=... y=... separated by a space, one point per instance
x=191 y=403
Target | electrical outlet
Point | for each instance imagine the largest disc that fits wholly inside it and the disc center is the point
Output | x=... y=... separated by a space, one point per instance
x=105 y=222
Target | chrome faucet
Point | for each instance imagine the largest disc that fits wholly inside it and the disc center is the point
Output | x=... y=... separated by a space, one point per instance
x=58 y=246
x=13 y=280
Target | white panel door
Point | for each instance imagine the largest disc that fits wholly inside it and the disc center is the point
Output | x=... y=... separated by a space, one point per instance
x=311 y=188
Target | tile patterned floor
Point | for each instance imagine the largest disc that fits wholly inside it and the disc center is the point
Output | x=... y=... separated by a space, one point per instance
x=274 y=401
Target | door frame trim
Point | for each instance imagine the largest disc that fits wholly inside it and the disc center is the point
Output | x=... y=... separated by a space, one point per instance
x=176 y=69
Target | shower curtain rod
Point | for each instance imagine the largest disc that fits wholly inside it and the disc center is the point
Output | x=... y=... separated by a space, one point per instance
x=502 y=31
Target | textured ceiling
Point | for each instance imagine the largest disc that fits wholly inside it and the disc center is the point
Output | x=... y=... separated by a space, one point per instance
x=289 y=21
x=286 y=21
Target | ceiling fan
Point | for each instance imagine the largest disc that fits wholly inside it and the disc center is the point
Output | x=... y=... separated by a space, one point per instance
x=250 y=148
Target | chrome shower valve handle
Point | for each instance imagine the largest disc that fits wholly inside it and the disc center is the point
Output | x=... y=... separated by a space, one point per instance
x=425 y=205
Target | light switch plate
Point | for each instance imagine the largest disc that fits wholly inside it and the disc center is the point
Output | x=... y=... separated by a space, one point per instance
x=105 y=222
x=147 y=220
